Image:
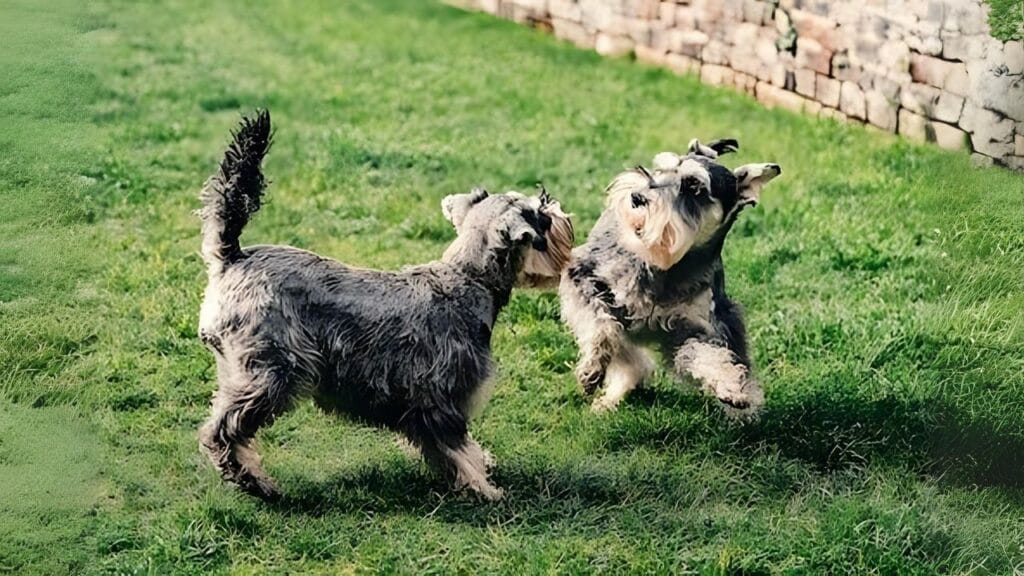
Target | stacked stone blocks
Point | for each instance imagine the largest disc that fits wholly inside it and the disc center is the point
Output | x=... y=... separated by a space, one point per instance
x=926 y=69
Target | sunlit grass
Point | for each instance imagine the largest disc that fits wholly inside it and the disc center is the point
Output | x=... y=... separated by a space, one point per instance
x=881 y=280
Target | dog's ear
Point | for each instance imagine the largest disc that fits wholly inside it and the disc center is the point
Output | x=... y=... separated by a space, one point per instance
x=543 y=265
x=750 y=178
x=456 y=206
x=713 y=149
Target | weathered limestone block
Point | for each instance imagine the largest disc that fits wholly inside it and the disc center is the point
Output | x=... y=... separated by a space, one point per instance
x=1013 y=57
x=833 y=114
x=925 y=38
x=965 y=48
x=686 y=18
x=843 y=69
x=709 y=13
x=715 y=52
x=533 y=7
x=1018 y=145
x=608 y=45
x=982 y=161
x=573 y=32
x=667 y=13
x=920 y=129
x=992 y=134
x=821 y=30
x=745 y=82
x=913 y=126
x=950 y=76
x=717 y=75
x=805 y=79
x=993 y=87
x=681 y=64
x=811 y=54
x=598 y=16
x=851 y=101
x=754 y=11
x=950 y=137
x=826 y=90
x=1014 y=163
x=565 y=9
x=881 y=111
x=965 y=17
x=773 y=96
x=932 y=102
x=650 y=55
x=643 y=9
x=894 y=57
x=687 y=42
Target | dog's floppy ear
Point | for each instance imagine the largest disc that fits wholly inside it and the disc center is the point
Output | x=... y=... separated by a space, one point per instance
x=456 y=206
x=544 y=265
x=750 y=178
x=713 y=149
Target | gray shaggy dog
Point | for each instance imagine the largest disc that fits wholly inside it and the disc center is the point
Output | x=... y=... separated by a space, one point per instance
x=650 y=275
x=407 y=350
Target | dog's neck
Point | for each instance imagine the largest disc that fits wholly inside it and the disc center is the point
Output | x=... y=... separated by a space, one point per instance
x=495 y=264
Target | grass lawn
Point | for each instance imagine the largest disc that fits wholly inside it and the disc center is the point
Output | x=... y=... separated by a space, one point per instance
x=883 y=284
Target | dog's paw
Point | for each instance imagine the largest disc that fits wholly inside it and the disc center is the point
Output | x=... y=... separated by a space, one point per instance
x=590 y=379
x=488 y=492
x=750 y=409
x=490 y=462
x=733 y=398
x=263 y=488
x=604 y=405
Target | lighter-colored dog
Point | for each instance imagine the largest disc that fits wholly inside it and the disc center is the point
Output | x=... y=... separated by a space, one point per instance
x=650 y=275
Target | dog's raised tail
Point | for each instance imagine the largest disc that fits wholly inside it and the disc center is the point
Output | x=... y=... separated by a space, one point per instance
x=234 y=193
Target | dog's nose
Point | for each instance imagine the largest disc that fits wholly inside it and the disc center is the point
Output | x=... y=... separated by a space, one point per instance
x=776 y=168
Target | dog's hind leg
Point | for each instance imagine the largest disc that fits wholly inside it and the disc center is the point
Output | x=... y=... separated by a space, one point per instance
x=246 y=400
x=446 y=445
x=722 y=373
x=628 y=368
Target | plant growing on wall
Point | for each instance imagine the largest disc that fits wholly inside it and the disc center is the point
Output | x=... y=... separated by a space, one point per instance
x=1006 y=19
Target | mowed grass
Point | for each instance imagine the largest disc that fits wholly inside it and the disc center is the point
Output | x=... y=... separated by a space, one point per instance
x=882 y=283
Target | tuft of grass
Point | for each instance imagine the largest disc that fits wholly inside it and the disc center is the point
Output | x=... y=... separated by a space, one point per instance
x=881 y=282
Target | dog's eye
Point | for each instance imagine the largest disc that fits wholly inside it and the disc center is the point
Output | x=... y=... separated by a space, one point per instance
x=638 y=200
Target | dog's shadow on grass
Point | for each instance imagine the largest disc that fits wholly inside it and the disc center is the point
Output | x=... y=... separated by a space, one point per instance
x=828 y=431
x=833 y=431
x=542 y=495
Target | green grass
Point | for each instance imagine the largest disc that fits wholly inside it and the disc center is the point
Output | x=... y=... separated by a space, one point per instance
x=882 y=283
x=1006 y=19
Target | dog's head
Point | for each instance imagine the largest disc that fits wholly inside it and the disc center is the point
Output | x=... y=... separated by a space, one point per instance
x=688 y=201
x=536 y=224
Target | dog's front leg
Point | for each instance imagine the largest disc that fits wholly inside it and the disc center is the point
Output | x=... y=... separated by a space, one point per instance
x=628 y=368
x=599 y=342
x=720 y=372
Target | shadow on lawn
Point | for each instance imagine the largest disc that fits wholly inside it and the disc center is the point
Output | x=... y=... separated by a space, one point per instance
x=827 y=430
x=837 y=430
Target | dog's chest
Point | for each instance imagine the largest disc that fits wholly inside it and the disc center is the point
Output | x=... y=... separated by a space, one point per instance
x=654 y=301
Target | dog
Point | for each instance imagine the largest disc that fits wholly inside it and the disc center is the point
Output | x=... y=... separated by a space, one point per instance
x=406 y=350
x=650 y=275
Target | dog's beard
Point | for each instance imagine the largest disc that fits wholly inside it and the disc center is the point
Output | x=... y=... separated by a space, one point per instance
x=542 y=269
x=652 y=229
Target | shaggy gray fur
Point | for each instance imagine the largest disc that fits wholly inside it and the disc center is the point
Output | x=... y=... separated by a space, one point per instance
x=618 y=298
x=407 y=350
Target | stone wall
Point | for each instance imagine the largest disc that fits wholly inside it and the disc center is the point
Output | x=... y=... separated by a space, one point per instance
x=926 y=69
